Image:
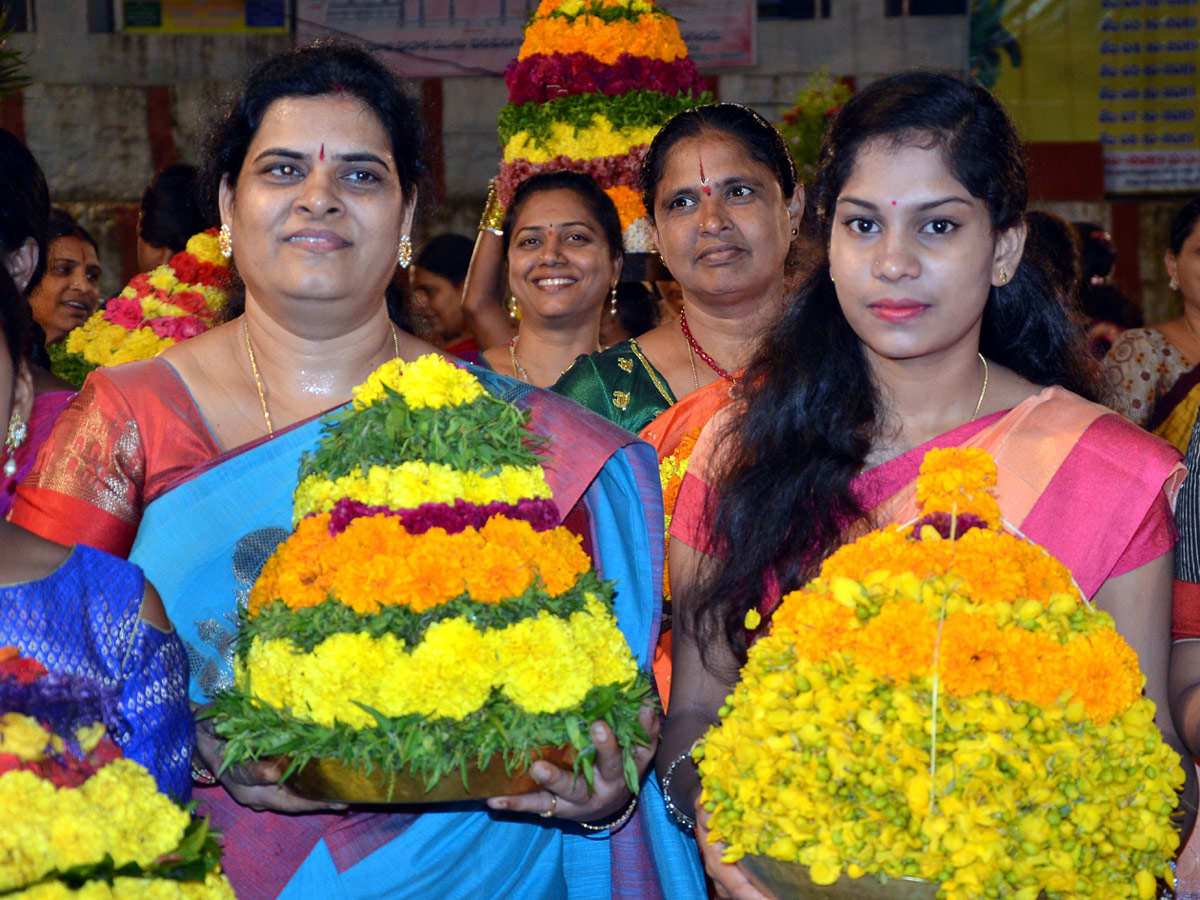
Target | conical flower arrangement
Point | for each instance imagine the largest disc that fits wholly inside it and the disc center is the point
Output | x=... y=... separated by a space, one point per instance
x=941 y=703
x=429 y=614
x=178 y=300
x=593 y=82
x=79 y=819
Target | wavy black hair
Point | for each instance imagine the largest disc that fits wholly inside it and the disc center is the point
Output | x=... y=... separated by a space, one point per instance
x=15 y=319
x=811 y=407
x=585 y=187
x=25 y=207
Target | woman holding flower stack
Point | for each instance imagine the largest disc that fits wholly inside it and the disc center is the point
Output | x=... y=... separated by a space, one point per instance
x=187 y=463
x=920 y=328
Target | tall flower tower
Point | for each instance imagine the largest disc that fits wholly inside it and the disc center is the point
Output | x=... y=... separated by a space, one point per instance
x=592 y=84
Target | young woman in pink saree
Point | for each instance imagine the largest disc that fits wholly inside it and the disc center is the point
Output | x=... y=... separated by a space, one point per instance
x=922 y=328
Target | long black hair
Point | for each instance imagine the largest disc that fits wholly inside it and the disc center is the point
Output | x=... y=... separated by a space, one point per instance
x=811 y=409
x=24 y=202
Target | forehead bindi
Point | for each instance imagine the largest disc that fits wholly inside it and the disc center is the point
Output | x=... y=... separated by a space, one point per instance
x=321 y=127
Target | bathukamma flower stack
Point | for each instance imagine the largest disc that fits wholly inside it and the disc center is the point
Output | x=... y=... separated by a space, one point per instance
x=178 y=300
x=429 y=612
x=593 y=82
x=942 y=703
x=79 y=819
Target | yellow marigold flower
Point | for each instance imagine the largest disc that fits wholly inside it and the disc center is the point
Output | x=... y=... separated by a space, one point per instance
x=413 y=483
x=142 y=343
x=545 y=670
x=206 y=248
x=429 y=381
x=23 y=736
x=454 y=669
x=597 y=633
x=601 y=138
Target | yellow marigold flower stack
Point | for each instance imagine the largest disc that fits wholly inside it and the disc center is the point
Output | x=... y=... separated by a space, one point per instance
x=942 y=703
x=75 y=810
x=429 y=611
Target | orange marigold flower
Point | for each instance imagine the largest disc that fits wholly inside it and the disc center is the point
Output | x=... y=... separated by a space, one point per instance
x=816 y=623
x=1103 y=673
x=958 y=480
x=897 y=643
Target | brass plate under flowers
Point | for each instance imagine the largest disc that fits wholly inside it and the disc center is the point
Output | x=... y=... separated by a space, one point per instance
x=339 y=782
x=790 y=881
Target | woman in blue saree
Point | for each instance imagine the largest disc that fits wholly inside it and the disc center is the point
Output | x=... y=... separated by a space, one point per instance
x=187 y=462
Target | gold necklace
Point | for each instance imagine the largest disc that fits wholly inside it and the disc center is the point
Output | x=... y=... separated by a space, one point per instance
x=692 y=360
x=262 y=394
x=518 y=369
x=979 y=402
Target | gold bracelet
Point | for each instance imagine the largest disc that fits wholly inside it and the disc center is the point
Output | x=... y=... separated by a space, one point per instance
x=493 y=212
x=621 y=820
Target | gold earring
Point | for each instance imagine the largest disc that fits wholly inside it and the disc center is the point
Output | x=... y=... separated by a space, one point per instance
x=404 y=252
x=15 y=438
x=1173 y=284
x=514 y=308
x=612 y=300
x=1003 y=275
x=795 y=231
x=225 y=241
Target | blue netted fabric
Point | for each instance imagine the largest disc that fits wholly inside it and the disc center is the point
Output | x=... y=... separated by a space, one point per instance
x=83 y=620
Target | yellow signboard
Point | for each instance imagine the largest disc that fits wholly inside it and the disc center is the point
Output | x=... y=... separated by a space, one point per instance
x=1125 y=73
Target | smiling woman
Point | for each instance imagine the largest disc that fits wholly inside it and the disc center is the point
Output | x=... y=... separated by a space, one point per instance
x=562 y=242
x=69 y=291
x=186 y=462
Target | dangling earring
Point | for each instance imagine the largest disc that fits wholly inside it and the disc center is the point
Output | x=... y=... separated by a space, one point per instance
x=16 y=437
x=225 y=241
x=1173 y=284
x=612 y=300
x=514 y=309
x=404 y=252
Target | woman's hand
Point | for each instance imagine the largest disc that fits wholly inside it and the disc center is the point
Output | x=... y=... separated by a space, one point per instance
x=566 y=794
x=253 y=784
x=730 y=881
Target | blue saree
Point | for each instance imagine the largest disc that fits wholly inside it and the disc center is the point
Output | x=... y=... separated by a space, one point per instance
x=202 y=544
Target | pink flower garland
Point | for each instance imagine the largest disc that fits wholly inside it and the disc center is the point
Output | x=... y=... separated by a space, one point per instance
x=542 y=77
x=609 y=171
x=454 y=518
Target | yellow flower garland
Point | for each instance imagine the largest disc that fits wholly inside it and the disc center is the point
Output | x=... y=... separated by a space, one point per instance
x=214 y=887
x=599 y=139
x=411 y=484
x=429 y=382
x=543 y=664
x=117 y=812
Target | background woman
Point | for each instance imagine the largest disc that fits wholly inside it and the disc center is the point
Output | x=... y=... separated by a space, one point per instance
x=69 y=292
x=437 y=279
x=1153 y=374
x=921 y=328
x=24 y=223
x=82 y=612
x=562 y=241
x=169 y=215
x=1106 y=309
x=192 y=459
x=720 y=190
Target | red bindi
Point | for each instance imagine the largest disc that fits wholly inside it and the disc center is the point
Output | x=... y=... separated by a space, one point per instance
x=321 y=155
x=893 y=203
x=704 y=185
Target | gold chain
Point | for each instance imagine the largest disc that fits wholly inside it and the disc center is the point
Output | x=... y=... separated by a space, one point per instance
x=518 y=369
x=979 y=402
x=262 y=394
x=692 y=360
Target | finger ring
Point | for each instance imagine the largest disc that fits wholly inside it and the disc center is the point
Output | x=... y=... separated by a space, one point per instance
x=553 y=806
